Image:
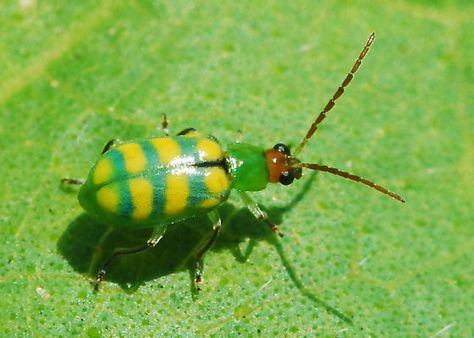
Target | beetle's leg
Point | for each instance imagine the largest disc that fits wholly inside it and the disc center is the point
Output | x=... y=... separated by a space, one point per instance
x=216 y=227
x=112 y=143
x=259 y=213
x=117 y=252
x=186 y=131
x=165 y=126
x=72 y=181
x=151 y=243
x=79 y=181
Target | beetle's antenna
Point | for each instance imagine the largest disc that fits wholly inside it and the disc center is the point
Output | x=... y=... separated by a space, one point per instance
x=349 y=176
x=336 y=95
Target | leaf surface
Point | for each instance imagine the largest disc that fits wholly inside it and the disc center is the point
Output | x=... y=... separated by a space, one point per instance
x=353 y=262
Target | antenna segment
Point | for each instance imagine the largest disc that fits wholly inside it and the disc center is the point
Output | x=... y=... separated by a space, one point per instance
x=336 y=95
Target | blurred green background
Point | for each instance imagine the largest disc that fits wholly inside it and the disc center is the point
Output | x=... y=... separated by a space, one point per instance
x=353 y=262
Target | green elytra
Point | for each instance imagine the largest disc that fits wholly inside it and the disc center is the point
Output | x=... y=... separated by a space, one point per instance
x=247 y=168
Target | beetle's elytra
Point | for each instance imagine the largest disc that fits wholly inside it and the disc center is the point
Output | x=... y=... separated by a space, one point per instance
x=156 y=182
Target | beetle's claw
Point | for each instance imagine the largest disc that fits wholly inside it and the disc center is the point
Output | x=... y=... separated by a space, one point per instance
x=197 y=283
x=100 y=277
x=197 y=279
x=275 y=229
x=278 y=232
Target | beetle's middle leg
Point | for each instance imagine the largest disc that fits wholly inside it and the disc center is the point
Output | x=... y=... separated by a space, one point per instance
x=259 y=213
x=216 y=226
x=151 y=243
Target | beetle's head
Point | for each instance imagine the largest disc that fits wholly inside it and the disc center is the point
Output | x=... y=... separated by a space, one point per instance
x=282 y=167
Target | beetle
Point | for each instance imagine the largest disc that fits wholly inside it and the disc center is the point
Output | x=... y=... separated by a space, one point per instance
x=159 y=181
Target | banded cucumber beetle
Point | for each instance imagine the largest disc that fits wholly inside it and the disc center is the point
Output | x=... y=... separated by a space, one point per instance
x=159 y=181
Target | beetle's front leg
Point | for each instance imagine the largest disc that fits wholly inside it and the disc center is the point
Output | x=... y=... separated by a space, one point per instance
x=216 y=227
x=259 y=213
x=151 y=243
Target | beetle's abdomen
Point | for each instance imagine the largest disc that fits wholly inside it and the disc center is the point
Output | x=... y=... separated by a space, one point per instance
x=154 y=180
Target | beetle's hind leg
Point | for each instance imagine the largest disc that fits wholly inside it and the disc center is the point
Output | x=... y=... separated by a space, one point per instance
x=117 y=252
x=151 y=243
x=216 y=227
x=259 y=213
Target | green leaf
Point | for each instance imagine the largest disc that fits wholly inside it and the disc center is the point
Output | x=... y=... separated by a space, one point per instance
x=353 y=262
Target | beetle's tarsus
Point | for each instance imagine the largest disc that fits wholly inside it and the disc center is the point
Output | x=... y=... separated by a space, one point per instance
x=259 y=213
x=197 y=277
x=275 y=229
x=72 y=181
x=100 y=278
x=216 y=221
x=165 y=126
